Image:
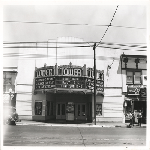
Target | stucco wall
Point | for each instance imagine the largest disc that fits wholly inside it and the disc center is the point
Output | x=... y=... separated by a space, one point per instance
x=24 y=88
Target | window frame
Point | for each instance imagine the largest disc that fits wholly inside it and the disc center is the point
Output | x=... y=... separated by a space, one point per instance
x=133 y=77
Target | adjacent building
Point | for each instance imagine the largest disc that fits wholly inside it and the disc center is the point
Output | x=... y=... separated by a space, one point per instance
x=9 y=86
x=134 y=75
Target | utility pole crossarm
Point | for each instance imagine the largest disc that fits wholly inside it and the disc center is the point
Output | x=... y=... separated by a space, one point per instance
x=94 y=46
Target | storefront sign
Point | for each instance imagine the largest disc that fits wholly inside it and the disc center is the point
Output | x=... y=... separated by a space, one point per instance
x=133 y=89
x=143 y=92
x=137 y=90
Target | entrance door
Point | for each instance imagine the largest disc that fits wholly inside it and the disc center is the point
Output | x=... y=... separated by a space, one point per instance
x=61 y=110
x=81 y=111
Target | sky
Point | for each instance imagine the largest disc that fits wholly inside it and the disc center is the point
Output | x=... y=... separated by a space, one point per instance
x=126 y=15
x=88 y=17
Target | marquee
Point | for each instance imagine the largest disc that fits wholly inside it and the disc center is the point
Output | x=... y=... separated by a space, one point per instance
x=68 y=77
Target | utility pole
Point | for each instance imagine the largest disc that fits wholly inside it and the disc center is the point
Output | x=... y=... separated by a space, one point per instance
x=94 y=47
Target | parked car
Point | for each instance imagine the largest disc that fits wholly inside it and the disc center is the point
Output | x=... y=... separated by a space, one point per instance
x=10 y=115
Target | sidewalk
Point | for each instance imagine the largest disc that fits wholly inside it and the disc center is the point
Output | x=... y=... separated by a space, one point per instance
x=99 y=124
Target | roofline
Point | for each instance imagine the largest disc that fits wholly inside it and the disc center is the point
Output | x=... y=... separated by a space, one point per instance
x=135 y=56
x=10 y=69
x=15 y=67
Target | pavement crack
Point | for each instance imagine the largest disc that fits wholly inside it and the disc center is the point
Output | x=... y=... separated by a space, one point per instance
x=81 y=137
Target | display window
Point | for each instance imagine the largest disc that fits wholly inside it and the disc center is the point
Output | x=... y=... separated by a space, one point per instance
x=38 y=108
x=98 y=109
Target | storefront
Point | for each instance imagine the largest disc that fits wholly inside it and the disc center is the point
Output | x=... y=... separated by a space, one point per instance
x=65 y=93
x=136 y=100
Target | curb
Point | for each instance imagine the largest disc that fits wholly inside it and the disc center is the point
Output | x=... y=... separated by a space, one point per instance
x=75 y=125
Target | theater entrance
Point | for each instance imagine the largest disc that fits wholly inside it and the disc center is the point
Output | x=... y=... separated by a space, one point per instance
x=71 y=111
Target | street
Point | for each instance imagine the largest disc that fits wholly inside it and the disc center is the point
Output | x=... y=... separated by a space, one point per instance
x=31 y=135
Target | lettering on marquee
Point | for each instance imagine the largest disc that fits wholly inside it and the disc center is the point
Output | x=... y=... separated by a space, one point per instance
x=68 y=76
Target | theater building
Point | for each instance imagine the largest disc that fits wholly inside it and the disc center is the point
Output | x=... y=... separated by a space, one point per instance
x=55 y=82
x=66 y=92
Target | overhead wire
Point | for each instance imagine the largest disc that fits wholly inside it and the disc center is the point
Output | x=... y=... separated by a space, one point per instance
x=69 y=24
x=108 y=26
x=63 y=56
x=61 y=47
x=106 y=43
x=117 y=48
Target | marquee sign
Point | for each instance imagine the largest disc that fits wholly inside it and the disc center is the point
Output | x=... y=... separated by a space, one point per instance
x=68 y=77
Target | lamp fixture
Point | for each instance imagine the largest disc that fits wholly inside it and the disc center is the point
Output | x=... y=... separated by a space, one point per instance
x=109 y=66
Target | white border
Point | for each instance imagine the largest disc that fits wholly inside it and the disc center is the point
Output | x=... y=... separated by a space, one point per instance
x=77 y=2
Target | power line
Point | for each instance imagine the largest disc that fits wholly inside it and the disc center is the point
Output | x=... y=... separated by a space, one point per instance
x=71 y=24
x=99 y=57
x=128 y=27
x=52 y=23
x=54 y=47
x=108 y=26
x=69 y=43
x=84 y=42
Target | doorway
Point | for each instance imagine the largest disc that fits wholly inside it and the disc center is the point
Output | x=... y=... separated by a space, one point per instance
x=61 y=110
x=81 y=111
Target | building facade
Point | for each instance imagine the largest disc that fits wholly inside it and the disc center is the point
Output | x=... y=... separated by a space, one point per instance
x=134 y=73
x=9 y=86
x=67 y=93
x=49 y=87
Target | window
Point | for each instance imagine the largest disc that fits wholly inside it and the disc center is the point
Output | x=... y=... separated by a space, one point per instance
x=38 y=108
x=137 y=78
x=98 y=109
x=7 y=81
x=129 y=77
x=133 y=77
